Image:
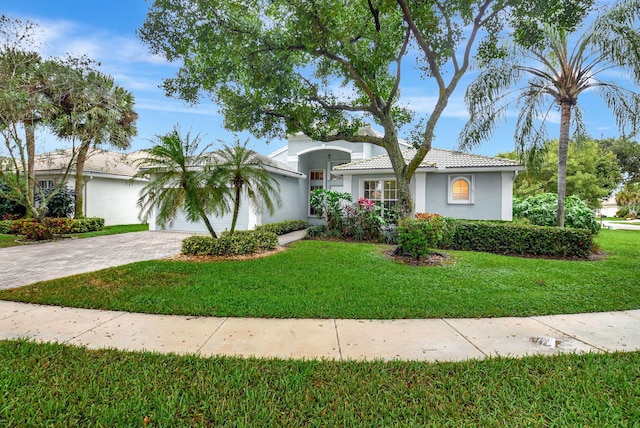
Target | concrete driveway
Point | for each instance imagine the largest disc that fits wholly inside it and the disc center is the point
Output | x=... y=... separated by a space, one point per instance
x=25 y=264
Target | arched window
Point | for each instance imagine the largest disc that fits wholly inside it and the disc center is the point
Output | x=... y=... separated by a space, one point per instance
x=460 y=189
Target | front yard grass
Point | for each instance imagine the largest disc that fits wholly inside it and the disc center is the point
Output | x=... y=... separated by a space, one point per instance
x=320 y=279
x=56 y=385
x=10 y=240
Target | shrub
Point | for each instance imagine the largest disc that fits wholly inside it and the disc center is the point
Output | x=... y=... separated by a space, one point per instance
x=420 y=236
x=515 y=239
x=283 y=227
x=58 y=226
x=31 y=230
x=328 y=205
x=61 y=201
x=240 y=243
x=541 y=211
x=364 y=220
x=6 y=226
x=87 y=224
x=318 y=231
x=622 y=212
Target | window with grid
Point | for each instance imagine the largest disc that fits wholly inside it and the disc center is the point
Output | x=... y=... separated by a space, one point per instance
x=316 y=182
x=384 y=192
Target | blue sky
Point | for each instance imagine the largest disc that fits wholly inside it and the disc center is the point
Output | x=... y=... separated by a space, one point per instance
x=105 y=31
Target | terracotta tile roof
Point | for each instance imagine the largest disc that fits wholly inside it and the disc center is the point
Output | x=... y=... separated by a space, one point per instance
x=436 y=158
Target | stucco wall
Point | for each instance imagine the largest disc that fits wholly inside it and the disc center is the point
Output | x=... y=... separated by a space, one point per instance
x=115 y=200
x=489 y=198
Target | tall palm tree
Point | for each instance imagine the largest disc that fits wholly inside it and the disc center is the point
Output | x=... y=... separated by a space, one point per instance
x=243 y=169
x=560 y=75
x=96 y=111
x=181 y=178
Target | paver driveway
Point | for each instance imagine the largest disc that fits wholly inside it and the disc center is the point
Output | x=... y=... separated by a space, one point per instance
x=25 y=264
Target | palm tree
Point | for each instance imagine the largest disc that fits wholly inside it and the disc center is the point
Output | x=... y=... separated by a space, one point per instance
x=181 y=178
x=560 y=75
x=243 y=169
x=95 y=110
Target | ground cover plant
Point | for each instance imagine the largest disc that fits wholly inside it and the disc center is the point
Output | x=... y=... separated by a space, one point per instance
x=324 y=279
x=50 y=384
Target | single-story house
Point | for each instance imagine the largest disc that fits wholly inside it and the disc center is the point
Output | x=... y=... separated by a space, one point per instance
x=609 y=207
x=110 y=192
x=449 y=183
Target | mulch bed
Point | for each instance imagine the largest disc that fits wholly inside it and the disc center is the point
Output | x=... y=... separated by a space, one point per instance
x=432 y=259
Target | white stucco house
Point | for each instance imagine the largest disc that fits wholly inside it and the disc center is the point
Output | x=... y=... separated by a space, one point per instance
x=109 y=190
x=449 y=183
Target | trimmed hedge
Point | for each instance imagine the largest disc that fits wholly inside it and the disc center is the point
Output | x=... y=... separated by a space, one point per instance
x=517 y=239
x=32 y=230
x=240 y=243
x=283 y=227
x=87 y=224
x=418 y=237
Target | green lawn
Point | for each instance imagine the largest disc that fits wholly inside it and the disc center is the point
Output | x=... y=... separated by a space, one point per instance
x=319 y=279
x=56 y=385
x=10 y=240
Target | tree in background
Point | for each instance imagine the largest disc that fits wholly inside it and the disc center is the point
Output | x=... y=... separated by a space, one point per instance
x=629 y=199
x=246 y=173
x=627 y=152
x=181 y=178
x=30 y=91
x=326 y=67
x=560 y=74
x=592 y=173
x=95 y=111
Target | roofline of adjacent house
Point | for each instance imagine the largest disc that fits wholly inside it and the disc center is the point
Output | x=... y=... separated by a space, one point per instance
x=87 y=173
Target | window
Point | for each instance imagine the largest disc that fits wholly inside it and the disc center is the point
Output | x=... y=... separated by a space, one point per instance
x=461 y=189
x=383 y=191
x=316 y=182
x=45 y=185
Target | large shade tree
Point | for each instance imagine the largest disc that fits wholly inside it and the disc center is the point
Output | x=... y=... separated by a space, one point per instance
x=325 y=67
x=31 y=89
x=248 y=176
x=560 y=68
x=94 y=111
x=180 y=178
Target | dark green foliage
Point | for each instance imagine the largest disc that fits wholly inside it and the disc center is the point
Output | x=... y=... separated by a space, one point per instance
x=541 y=211
x=506 y=238
x=9 y=209
x=60 y=202
x=238 y=243
x=623 y=212
x=283 y=227
x=87 y=224
x=419 y=237
x=317 y=231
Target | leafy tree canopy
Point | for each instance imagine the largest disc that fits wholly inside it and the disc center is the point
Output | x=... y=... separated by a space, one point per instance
x=628 y=153
x=325 y=67
x=592 y=173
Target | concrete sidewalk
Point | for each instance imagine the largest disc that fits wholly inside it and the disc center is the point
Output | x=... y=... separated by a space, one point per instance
x=336 y=339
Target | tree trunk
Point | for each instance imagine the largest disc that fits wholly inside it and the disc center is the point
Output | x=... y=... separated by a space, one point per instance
x=30 y=138
x=236 y=210
x=563 y=147
x=79 y=187
x=208 y=224
x=404 y=206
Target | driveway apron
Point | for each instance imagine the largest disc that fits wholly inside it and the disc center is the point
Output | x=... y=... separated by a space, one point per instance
x=29 y=263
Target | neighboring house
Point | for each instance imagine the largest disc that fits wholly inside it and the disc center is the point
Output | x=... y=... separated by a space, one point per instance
x=609 y=208
x=447 y=182
x=109 y=191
